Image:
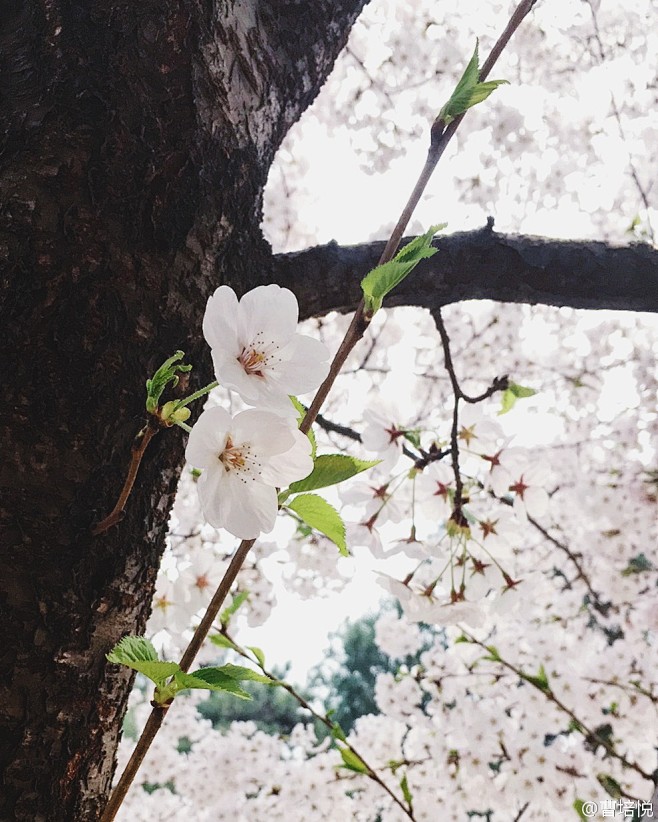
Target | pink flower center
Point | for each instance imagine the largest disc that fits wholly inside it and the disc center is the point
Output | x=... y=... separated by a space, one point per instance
x=252 y=361
x=232 y=457
x=519 y=487
x=202 y=582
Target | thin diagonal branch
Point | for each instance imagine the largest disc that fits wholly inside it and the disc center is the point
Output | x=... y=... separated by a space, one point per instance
x=371 y=773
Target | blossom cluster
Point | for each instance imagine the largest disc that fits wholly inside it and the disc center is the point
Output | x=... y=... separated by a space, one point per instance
x=475 y=737
x=471 y=737
x=257 y=353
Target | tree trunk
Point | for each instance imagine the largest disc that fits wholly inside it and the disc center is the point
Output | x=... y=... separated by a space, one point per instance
x=135 y=142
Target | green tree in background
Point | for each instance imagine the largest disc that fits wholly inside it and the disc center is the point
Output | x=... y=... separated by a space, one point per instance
x=345 y=680
x=343 y=683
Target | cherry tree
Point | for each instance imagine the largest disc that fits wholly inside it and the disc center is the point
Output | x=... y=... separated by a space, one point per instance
x=134 y=217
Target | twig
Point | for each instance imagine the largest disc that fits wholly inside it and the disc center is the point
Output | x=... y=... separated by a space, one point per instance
x=157 y=714
x=601 y=607
x=633 y=688
x=579 y=724
x=421 y=460
x=522 y=810
x=336 y=428
x=323 y=718
x=439 y=139
x=440 y=136
x=139 y=446
x=498 y=384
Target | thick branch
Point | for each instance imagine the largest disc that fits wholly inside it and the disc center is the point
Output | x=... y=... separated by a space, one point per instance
x=479 y=265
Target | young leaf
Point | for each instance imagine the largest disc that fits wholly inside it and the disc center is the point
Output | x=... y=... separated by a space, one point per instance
x=301 y=413
x=494 y=656
x=578 y=807
x=507 y=403
x=468 y=91
x=609 y=785
x=521 y=391
x=222 y=641
x=138 y=653
x=237 y=672
x=383 y=279
x=352 y=762
x=540 y=680
x=330 y=469
x=338 y=733
x=404 y=785
x=167 y=373
x=210 y=679
x=260 y=656
x=513 y=393
x=227 y=613
x=317 y=513
x=412 y=435
x=133 y=649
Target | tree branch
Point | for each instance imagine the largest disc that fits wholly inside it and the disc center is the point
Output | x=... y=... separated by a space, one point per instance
x=478 y=265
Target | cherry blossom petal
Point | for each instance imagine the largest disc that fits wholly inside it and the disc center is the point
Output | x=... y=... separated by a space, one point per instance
x=269 y=310
x=249 y=512
x=208 y=438
x=295 y=464
x=220 y=321
x=268 y=433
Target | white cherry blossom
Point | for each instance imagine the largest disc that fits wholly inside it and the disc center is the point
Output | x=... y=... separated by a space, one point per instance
x=256 y=350
x=244 y=459
x=383 y=434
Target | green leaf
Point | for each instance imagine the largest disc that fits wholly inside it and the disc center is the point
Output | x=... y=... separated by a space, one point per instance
x=578 y=807
x=317 y=513
x=405 y=790
x=222 y=641
x=353 y=762
x=521 y=391
x=338 y=733
x=636 y=565
x=167 y=373
x=609 y=785
x=260 y=656
x=458 y=101
x=383 y=279
x=412 y=435
x=468 y=91
x=301 y=411
x=227 y=613
x=507 y=403
x=330 y=469
x=238 y=672
x=210 y=679
x=513 y=393
x=138 y=653
x=133 y=649
x=540 y=680
x=494 y=656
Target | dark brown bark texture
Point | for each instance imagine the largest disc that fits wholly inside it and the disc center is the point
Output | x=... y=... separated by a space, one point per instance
x=478 y=265
x=135 y=141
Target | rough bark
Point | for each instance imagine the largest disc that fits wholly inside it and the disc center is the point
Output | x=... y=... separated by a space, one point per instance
x=135 y=140
x=479 y=265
